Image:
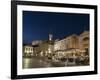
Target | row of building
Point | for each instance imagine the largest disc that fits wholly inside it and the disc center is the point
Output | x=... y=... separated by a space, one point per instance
x=71 y=44
x=73 y=41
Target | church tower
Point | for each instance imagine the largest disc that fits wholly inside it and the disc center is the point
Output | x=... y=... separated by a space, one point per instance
x=50 y=47
x=50 y=37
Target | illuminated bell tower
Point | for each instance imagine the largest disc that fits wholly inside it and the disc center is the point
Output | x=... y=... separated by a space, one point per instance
x=50 y=48
x=50 y=37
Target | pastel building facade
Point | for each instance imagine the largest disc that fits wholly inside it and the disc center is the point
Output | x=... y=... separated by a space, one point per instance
x=60 y=45
x=84 y=40
x=79 y=42
x=72 y=45
x=69 y=42
x=36 y=42
x=28 y=50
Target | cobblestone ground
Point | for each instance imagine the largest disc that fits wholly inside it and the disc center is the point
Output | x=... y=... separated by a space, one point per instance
x=41 y=62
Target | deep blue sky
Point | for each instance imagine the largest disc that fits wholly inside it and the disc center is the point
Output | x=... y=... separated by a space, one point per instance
x=37 y=25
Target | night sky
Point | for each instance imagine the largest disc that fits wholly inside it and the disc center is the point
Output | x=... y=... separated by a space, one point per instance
x=38 y=25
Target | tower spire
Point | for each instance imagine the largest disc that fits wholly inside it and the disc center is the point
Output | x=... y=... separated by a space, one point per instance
x=50 y=37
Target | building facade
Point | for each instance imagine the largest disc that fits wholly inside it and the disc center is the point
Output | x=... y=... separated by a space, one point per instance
x=28 y=50
x=84 y=41
x=73 y=45
x=67 y=43
x=72 y=42
x=36 y=42
x=60 y=45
